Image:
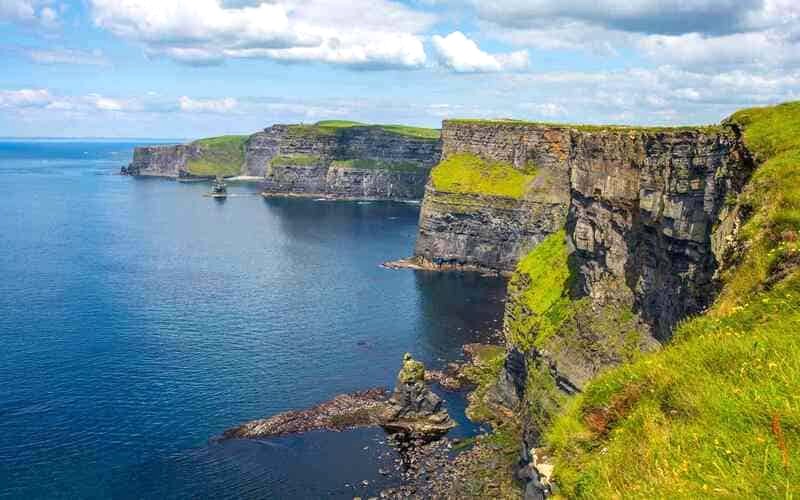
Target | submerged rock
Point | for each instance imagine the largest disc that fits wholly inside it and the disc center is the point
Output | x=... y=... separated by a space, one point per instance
x=414 y=410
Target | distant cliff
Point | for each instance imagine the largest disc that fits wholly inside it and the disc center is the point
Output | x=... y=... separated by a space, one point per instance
x=345 y=160
x=333 y=158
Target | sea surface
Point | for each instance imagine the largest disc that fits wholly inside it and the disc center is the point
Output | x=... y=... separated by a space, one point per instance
x=139 y=320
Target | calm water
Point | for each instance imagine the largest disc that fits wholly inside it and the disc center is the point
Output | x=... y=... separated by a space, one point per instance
x=139 y=319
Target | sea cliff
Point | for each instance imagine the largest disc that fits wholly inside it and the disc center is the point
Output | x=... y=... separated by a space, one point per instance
x=631 y=329
x=332 y=158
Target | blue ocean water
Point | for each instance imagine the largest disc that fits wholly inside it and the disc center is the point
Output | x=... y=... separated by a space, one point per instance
x=139 y=319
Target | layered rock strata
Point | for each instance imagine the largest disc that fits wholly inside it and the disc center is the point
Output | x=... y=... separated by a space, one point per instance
x=310 y=160
x=161 y=161
x=473 y=230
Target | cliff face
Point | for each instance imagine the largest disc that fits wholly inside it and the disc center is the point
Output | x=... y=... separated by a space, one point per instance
x=160 y=161
x=639 y=206
x=472 y=228
x=647 y=219
x=349 y=161
x=642 y=212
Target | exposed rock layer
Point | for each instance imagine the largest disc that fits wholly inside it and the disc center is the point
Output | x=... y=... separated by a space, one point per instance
x=351 y=162
x=475 y=230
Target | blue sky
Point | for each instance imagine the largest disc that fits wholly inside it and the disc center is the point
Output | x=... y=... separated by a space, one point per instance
x=191 y=68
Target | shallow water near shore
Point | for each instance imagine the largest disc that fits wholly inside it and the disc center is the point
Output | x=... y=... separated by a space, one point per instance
x=140 y=319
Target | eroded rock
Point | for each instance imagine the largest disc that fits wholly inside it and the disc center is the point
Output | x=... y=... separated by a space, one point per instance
x=413 y=409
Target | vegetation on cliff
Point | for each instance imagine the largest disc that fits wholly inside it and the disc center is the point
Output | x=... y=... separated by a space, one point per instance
x=297 y=160
x=332 y=127
x=710 y=129
x=469 y=174
x=715 y=413
x=371 y=164
x=218 y=156
x=539 y=294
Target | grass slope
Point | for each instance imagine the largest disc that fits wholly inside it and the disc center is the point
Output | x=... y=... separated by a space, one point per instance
x=538 y=293
x=470 y=174
x=332 y=127
x=710 y=129
x=218 y=156
x=717 y=412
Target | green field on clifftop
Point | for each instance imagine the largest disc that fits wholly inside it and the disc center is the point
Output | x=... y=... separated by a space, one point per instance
x=219 y=156
x=332 y=127
x=469 y=174
x=716 y=413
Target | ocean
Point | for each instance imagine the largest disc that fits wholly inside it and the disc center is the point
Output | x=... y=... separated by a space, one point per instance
x=139 y=320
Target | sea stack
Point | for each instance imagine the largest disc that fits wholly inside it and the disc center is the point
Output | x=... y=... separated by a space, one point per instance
x=413 y=409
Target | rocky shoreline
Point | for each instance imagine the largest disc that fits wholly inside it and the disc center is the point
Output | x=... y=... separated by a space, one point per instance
x=430 y=465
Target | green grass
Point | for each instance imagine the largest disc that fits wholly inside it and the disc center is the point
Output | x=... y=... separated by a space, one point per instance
x=538 y=294
x=717 y=412
x=484 y=372
x=709 y=129
x=770 y=131
x=218 y=156
x=338 y=124
x=709 y=416
x=367 y=164
x=470 y=174
x=296 y=160
x=334 y=127
x=417 y=132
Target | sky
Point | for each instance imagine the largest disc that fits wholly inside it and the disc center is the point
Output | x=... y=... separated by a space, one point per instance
x=195 y=68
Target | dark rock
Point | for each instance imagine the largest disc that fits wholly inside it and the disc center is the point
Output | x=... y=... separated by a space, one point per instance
x=345 y=411
x=415 y=411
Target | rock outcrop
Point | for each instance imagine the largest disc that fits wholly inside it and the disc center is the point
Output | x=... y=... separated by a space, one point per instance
x=161 y=161
x=643 y=211
x=472 y=230
x=414 y=410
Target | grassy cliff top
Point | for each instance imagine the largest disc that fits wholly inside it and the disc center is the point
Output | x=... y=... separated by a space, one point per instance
x=717 y=411
x=332 y=127
x=469 y=174
x=709 y=129
x=222 y=155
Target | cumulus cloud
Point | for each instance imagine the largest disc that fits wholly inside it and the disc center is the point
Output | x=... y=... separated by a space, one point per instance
x=706 y=35
x=461 y=54
x=358 y=33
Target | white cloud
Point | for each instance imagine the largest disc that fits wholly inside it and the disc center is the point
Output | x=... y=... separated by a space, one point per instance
x=24 y=98
x=207 y=105
x=461 y=54
x=762 y=49
x=358 y=33
x=702 y=35
x=107 y=104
